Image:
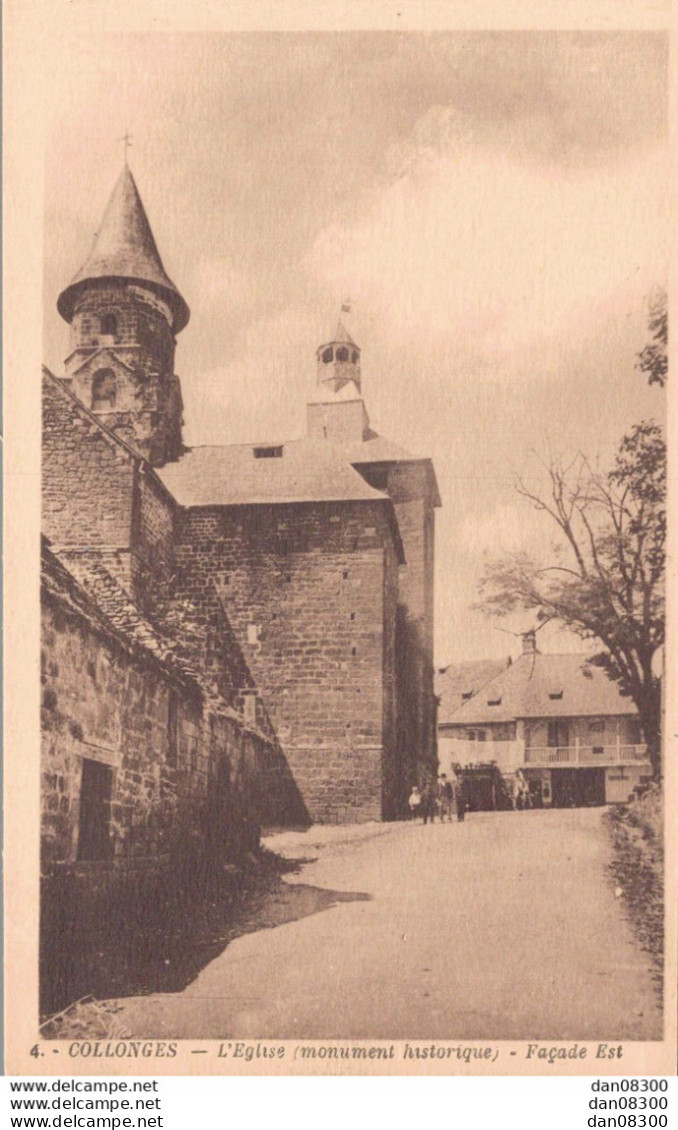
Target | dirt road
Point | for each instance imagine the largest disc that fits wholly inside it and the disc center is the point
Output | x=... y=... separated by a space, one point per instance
x=503 y=927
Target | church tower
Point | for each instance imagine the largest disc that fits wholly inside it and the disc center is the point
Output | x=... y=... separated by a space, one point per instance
x=337 y=410
x=124 y=312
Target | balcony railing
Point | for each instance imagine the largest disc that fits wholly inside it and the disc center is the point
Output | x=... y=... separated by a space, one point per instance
x=585 y=755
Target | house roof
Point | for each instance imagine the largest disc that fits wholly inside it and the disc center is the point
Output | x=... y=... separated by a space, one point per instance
x=543 y=686
x=460 y=681
x=124 y=248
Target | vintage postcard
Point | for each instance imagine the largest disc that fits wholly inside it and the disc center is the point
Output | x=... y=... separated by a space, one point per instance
x=340 y=715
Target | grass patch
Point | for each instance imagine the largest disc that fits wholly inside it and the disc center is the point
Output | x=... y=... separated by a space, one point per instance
x=637 y=833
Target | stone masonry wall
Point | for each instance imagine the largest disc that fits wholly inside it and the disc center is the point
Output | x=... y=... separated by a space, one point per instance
x=304 y=590
x=190 y=787
x=408 y=487
x=87 y=478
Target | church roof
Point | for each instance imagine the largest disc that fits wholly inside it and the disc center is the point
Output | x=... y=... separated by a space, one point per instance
x=307 y=470
x=124 y=248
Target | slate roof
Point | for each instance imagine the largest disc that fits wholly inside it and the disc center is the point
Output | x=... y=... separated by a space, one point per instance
x=124 y=248
x=88 y=588
x=309 y=470
x=463 y=679
x=544 y=686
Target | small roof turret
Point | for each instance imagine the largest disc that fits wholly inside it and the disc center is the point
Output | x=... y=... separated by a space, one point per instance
x=124 y=248
x=339 y=361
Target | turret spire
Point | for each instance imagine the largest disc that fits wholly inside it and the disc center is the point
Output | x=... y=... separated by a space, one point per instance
x=124 y=248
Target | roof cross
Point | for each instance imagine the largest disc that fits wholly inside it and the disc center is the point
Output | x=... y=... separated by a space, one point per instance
x=127 y=142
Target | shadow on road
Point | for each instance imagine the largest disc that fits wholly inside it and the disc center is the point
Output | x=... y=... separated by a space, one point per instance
x=166 y=952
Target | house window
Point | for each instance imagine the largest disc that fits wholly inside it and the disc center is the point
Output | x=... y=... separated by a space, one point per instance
x=471 y=735
x=354 y=357
x=103 y=390
x=327 y=356
x=466 y=695
x=494 y=702
x=482 y=735
x=597 y=726
x=268 y=452
x=172 y=727
x=342 y=354
x=555 y=695
x=109 y=324
x=96 y=789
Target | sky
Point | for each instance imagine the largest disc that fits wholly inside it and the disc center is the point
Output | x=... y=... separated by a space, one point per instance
x=495 y=204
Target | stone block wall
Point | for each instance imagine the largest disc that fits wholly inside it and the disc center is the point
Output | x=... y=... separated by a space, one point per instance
x=305 y=592
x=189 y=788
x=87 y=478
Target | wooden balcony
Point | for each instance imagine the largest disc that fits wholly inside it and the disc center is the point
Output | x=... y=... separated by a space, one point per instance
x=586 y=755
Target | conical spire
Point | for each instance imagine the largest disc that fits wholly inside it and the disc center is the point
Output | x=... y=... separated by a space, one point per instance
x=124 y=248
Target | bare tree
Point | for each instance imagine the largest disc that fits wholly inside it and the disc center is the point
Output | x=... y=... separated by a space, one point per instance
x=606 y=579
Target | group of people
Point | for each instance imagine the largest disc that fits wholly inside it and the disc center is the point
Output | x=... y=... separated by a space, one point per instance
x=442 y=798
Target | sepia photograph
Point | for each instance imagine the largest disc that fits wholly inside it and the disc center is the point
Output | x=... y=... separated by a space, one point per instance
x=353 y=549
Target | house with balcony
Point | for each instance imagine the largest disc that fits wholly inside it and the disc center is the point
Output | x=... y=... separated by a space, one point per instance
x=553 y=729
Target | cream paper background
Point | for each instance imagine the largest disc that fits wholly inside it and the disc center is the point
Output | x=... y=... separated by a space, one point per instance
x=37 y=35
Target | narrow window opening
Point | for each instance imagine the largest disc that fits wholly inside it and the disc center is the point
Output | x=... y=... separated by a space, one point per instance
x=96 y=790
x=268 y=452
x=172 y=727
x=104 y=390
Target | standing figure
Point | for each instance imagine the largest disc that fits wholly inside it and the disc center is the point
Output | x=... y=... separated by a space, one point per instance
x=445 y=797
x=414 y=801
x=429 y=802
x=461 y=799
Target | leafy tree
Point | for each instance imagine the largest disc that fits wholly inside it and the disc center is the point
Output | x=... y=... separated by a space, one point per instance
x=606 y=580
x=653 y=359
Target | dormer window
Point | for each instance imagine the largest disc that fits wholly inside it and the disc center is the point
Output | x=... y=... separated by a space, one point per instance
x=494 y=701
x=109 y=324
x=555 y=696
x=327 y=355
x=268 y=452
x=342 y=354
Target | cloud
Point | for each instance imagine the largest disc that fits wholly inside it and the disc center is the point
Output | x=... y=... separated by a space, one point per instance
x=471 y=250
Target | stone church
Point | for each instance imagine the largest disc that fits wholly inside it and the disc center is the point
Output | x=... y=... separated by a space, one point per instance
x=234 y=636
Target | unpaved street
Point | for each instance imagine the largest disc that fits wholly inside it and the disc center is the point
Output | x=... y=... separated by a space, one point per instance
x=503 y=927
